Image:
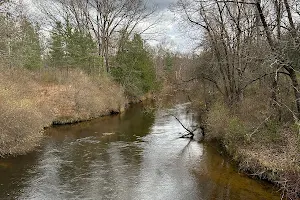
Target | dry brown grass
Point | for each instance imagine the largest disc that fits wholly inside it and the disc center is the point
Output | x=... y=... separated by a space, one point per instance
x=28 y=103
x=277 y=163
x=82 y=97
x=263 y=146
x=21 y=122
x=251 y=132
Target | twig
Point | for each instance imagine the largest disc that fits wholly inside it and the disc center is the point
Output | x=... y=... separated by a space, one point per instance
x=189 y=131
x=255 y=131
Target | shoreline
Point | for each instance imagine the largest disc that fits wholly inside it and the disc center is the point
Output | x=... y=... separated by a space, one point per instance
x=261 y=164
x=33 y=103
x=237 y=159
x=269 y=153
x=71 y=121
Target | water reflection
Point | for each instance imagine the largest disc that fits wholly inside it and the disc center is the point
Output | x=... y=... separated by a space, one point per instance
x=143 y=159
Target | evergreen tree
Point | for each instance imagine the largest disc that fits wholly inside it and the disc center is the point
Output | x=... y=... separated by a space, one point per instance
x=57 y=52
x=31 y=49
x=80 y=48
x=19 y=43
x=135 y=68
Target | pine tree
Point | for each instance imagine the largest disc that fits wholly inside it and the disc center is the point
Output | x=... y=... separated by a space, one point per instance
x=57 y=52
x=72 y=48
x=80 y=49
x=31 y=49
x=135 y=68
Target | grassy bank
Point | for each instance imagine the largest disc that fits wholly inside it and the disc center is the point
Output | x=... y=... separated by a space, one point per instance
x=264 y=146
x=30 y=101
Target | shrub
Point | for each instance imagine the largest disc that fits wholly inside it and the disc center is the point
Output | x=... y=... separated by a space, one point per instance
x=217 y=121
x=236 y=133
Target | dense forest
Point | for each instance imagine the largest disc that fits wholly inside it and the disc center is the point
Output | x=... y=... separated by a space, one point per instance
x=243 y=74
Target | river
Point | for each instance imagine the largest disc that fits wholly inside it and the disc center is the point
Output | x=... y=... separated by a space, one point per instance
x=137 y=155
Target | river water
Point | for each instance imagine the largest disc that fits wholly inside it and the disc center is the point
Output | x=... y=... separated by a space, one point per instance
x=137 y=155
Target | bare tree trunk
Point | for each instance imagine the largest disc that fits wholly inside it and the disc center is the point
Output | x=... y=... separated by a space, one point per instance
x=265 y=25
x=290 y=69
x=291 y=22
x=277 y=4
x=295 y=84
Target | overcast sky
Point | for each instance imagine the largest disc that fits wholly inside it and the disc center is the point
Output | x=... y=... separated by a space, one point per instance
x=170 y=34
x=167 y=29
x=163 y=4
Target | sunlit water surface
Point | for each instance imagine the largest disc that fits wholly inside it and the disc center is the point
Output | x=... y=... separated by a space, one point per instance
x=143 y=160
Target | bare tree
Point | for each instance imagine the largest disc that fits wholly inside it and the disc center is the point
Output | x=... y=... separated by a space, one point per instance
x=229 y=29
x=104 y=18
x=281 y=58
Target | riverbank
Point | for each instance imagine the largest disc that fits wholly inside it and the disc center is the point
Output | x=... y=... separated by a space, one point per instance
x=145 y=149
x=264 y=164
x=261 y=145
x=32 y=101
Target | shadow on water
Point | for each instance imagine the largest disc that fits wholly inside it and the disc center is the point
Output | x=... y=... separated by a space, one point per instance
x=135 y=155
x=218 y=179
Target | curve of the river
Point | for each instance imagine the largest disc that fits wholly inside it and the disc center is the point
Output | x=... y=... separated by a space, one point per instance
x=137 y=155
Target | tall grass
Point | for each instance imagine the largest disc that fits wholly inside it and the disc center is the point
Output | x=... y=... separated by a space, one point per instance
x=30 y=101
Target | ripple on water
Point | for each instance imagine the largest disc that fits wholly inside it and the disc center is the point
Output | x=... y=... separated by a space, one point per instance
x=147 y=160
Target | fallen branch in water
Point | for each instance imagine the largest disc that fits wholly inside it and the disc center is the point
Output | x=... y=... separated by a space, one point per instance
x=190 y=133
x=188 y=130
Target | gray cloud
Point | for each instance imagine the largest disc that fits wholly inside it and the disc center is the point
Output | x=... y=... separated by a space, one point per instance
x=171 y=35
x=162 y=4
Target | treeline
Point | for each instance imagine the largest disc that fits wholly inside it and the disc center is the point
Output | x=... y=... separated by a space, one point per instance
x=246 y=42
x=249 y=64
x=99 y=37
x=19 y=42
